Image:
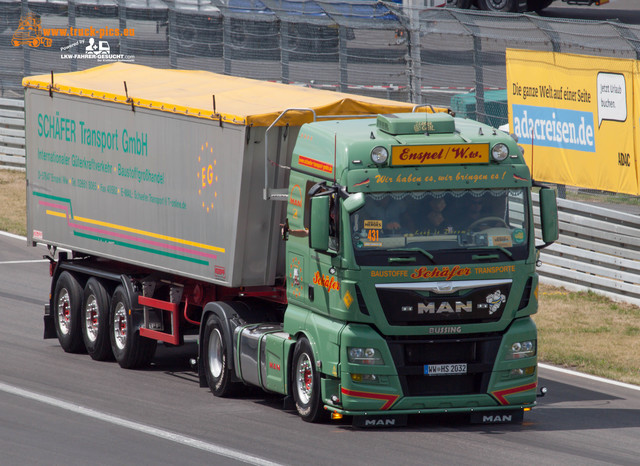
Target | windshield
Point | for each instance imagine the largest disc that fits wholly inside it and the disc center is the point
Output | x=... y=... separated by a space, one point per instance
x=441 y=227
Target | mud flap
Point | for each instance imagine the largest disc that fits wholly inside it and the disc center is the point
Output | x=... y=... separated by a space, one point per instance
x=49 y=326
x=515 y=416
x=399 y=420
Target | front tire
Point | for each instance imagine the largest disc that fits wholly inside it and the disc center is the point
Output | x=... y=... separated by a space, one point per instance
x=95 y=320
x=216 y=362
x=306 y=383
x=67 y=302
x=129 y=348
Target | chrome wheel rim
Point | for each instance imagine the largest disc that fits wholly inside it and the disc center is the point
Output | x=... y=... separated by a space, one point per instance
x=304 y=378
x=120 y=326
x=91 y=318
x=64 y=311
x=215 y=353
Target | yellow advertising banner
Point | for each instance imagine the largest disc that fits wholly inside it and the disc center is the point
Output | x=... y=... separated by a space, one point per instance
x=635 y=155
x=574 y=115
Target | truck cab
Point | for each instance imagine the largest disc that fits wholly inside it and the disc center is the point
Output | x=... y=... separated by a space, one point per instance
x=416 y=282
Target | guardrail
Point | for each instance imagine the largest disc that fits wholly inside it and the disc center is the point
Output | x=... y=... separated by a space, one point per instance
x=12 y=150
x=598 y=250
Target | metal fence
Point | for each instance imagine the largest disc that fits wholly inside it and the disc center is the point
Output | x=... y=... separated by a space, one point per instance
x=12 y=149
x=350 y=45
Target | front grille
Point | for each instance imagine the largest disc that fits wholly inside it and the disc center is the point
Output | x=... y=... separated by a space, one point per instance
x=411 y=355
x=413 y=307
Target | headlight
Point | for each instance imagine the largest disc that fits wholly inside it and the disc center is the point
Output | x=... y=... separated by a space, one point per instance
x=522 y=349
x=499 y=152
x=379 y=155
x=364 y=356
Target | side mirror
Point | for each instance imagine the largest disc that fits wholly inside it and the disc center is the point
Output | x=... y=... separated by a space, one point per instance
x=354 y=202
x=548 y=216
x=319 y=223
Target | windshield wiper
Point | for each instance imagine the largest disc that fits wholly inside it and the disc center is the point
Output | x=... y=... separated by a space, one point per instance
x=427 y=254
x=508 y=253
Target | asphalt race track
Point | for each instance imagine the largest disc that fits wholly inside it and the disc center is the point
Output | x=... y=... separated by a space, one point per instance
x=58 y=408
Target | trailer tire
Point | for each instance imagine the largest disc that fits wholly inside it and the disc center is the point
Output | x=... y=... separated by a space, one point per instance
x=67 y=302
x=305 y=383
x=129 y=348
x=95 y=320
x=216 y=361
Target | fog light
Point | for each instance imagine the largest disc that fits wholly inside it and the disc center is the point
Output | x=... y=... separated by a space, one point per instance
x=365 y=378
x=336 y=416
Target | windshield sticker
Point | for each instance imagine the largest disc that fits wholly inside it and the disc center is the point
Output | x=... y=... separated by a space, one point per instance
x=500 y=241
x=373 y=224
x=518 y=236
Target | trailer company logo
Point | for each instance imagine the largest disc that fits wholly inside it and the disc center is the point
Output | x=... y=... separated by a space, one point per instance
x=31 y=33
x=207 y=177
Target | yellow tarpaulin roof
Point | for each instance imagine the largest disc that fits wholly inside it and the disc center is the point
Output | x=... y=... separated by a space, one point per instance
x=238 y=100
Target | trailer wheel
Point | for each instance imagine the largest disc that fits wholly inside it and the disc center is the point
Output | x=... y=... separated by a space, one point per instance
x=306 y=383
x=129 y=348
x=67 y=302
x=216 y=364
x=95 y=320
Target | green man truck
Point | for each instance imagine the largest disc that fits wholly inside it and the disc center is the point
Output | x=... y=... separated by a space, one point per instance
x=360 y=256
